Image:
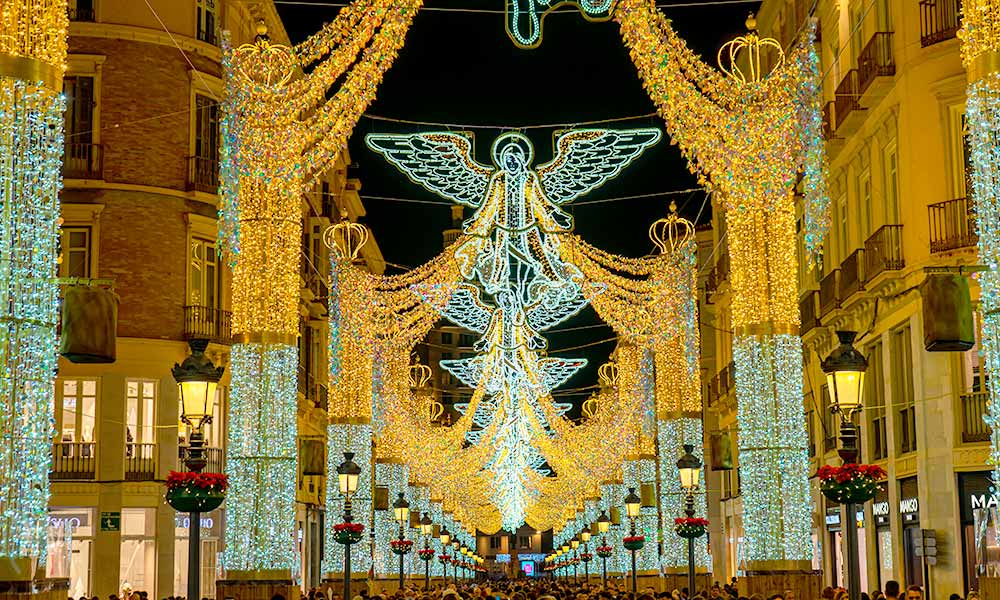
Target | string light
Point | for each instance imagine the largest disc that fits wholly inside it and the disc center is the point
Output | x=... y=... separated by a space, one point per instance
x=33 y=49
x=348 y=437
x=524 y=26
x=980 y=35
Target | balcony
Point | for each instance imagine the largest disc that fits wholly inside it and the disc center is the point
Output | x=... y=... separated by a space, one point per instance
x=974 y=429
x=884 y=251
x=306 y=385
x=140 y=462
x=208 y=323
x=828 y=288
x=876 y=60
x=846 y=104
x=939 y=21
x=952 y=225
x=808 y=315
x=203 y=175
x=83 y=161
x=207 y=35
x=81 y=15
x=851 y=277
x=829 y=124
x=74 y=461
x=322 y=397
x=215 y=457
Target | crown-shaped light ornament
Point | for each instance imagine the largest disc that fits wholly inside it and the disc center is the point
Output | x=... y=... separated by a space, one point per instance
x=607 y=375
x=590 y=407
x=346 y=238
x=420 y=374
x=671 y=232
x=752 y=45
x=268 y=65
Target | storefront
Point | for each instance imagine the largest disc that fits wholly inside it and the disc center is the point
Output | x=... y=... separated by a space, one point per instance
x=979 y=520
x=137 y=559
x=909 y=516
x=70 y=546
x=883 y=537
x=211 y=546
x=838 y=573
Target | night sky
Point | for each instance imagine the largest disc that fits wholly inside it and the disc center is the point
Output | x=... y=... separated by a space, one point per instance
x=461 y=68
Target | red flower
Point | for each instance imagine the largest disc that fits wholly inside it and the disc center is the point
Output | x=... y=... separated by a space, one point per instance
x=204 y=481
x=425 y=551
x=634 y=538
x=401 y=543
x=443 y=557
x=604 y=549
x=692 y=521
x=845 y=473
x=352 y=527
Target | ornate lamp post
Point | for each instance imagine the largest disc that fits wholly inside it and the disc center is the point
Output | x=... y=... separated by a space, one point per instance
x=445 y=539
x=401 y=508
x=632 y=504
x=426 y=527
x=197 y=380
x=689 y=467
x=845 y=376
x=585 y=538
x=603 y=524
x=348 y=473
x=455 y=554
x=463 y=550
x=575 y=544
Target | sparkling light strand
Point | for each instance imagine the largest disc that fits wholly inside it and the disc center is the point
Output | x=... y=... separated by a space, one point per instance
x=31 y=147
x=346 y=437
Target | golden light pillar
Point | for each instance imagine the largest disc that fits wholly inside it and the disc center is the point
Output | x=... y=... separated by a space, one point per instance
x=32 y=63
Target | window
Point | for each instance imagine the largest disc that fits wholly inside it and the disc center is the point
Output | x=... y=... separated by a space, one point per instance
x=902 y=390
x=205 y=164
x=204 y=275
x=974 y=377
x=76 y=412
x=465 y=355
x=810 y=428
x=959 y=146
x=81 y=10
x=79 y=91
x=831 y=421
x=206 y=20
x=495 y=542
x=875 y=400
x=865 y=202
x=465 y=340
x=140 y=403
x=857 y=29
x=524 y=541
x=138 y=548
x=891 y=171
x=70 y=539
x=446 y=338
x=74 y=244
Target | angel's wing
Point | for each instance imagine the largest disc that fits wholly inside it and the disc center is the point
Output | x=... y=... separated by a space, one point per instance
x=586 y=158
x=441 y=162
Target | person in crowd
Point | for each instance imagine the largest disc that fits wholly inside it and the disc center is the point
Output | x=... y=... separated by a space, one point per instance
x=892 y=590
x=914 y=592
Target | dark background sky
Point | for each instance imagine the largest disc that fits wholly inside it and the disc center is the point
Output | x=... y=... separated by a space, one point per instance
x=461 y=68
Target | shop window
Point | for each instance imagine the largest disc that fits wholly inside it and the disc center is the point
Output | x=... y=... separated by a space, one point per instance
x=76 y=410
x=137 y=566
x=70 y=547
x=211 y=542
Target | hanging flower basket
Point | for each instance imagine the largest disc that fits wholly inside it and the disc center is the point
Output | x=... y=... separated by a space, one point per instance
x=347 y=533
x=690 y=527
x=426 y=553
x=444 y=559
x=455 y=562
x=634 y=542
x=850 y=483
x=188 y=491
x=586 y=557
x=604 y=551
x=401 y=547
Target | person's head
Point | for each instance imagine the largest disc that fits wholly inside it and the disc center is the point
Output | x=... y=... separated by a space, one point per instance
x=776 y=597
x=789 y=594
x=915 y=592
x=892 y=589
x=864 y=596
x=877 y=594
x=277 y=597
x=756 y=597
x=973 y=595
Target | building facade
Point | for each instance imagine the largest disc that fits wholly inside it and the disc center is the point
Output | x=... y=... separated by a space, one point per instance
x=139 y=210
x=893 y=107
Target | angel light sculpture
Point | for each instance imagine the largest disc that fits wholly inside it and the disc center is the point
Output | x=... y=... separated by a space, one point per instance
x=516 y=285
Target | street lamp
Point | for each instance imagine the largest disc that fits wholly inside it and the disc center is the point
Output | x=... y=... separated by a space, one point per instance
x=426 y=528
x=689 y=468
x=603 y=524
x=197 y=380
x=445 y=538
x=454 y=558
x=632 y=504
x=464 y=551
x=845 y=376
x=574 y=544
x=585 y=538
x=402 y=510
x=347 y=478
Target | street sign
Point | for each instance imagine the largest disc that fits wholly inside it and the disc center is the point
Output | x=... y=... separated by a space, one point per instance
x=111 y=521
x=929 y=546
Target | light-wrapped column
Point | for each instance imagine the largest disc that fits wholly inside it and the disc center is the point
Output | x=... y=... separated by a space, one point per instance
x=393 y=474
x=260 y=195
x=356 y=438
x=673 y=434
x=980 y=35
x=32 y=60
